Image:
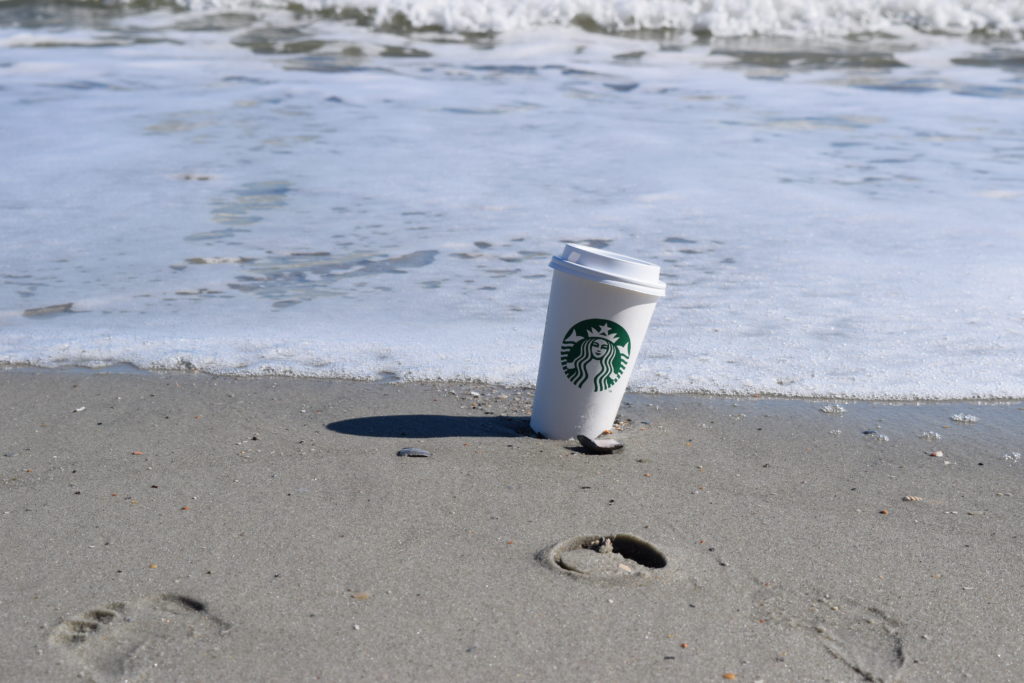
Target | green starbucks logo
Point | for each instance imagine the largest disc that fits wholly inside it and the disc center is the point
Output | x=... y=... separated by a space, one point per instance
x=595 y=353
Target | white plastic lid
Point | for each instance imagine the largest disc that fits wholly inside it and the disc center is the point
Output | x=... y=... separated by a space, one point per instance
x=610 y=268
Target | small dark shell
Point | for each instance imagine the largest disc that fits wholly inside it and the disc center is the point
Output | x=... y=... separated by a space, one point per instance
x=415 y=453
x=598 y=446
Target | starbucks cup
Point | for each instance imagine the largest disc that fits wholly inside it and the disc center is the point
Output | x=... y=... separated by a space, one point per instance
x=598 y=312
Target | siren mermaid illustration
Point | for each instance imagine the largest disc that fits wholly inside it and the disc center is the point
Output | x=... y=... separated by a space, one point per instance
x=592 y=355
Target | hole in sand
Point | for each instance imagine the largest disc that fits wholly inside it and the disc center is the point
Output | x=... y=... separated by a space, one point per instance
x=615 y=556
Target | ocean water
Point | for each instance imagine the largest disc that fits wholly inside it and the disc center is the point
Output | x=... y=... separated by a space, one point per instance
x=834 y=190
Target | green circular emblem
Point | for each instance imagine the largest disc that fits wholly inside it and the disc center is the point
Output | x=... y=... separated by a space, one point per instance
x=595 y=353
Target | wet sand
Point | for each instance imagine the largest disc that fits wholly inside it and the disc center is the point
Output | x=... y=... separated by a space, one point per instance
x=188 y=527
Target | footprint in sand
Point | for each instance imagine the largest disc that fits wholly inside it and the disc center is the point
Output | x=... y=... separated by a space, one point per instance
x=124 y=640
x=865 y=639
x=616 y=557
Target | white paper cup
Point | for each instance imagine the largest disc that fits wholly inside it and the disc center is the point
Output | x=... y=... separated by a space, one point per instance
x=598 y=312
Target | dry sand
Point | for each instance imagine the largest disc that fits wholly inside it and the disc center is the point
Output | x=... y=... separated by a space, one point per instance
x=187 y=527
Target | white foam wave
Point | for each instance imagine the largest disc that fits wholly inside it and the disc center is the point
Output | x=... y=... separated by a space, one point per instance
x=801 y=18
x=189 y=203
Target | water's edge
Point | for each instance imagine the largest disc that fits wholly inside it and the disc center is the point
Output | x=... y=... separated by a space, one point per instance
x=469 y=384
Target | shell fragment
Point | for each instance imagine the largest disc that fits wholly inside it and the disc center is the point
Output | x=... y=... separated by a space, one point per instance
x=414 y=453
x=598 y=446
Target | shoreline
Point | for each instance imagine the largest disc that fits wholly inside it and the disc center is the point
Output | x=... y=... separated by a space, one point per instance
x=127 y=368
x=190 y=527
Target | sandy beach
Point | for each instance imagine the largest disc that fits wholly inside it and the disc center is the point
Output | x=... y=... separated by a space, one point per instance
x=184 y=527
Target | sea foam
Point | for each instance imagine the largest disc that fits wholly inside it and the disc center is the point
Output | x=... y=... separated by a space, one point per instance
x=288 y=194
x=800 y=18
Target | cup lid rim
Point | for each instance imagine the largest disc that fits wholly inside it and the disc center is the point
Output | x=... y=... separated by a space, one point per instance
x=593 y=271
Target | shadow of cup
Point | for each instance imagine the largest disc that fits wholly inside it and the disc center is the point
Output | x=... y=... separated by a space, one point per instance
x=433 y=426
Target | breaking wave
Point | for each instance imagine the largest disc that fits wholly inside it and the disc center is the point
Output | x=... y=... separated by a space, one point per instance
x=793 y=18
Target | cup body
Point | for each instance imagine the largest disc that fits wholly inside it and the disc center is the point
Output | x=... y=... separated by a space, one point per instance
x=596 y=323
